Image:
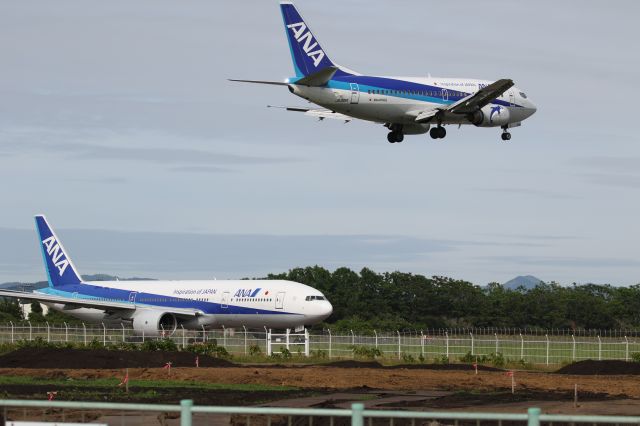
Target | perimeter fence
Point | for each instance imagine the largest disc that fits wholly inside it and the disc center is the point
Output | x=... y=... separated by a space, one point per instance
x=445 y=346
x=15 y=412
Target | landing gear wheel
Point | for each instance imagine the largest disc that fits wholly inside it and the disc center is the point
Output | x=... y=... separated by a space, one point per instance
x=394 y=137
x=434 y=132
x=506 y=136
x=442 y=132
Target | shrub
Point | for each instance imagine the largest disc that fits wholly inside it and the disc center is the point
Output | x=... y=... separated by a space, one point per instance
x=366 y=352
x=635 y=357
x=159 y=345
x=443 y=359
x=408 y=358
x=318 y=354
x=210 y=348
x=286 y=353
x=497 y=360
x=254 y=350
x=94 y=344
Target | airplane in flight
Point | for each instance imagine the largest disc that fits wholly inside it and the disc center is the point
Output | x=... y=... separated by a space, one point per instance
x=159 y=307
x=404 y=105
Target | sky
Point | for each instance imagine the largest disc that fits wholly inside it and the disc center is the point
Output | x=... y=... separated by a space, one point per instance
x=117 y=121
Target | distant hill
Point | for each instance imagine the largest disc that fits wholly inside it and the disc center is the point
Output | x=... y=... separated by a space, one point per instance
x=42 y=284
x=527 y=281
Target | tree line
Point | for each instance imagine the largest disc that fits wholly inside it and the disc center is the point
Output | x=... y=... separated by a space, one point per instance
x=366 y=300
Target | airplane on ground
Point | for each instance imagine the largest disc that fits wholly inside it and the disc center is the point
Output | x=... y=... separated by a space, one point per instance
x=160 y=307
x=405 y=105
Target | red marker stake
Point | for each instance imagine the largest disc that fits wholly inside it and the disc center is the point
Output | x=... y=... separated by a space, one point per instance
x=51 y=395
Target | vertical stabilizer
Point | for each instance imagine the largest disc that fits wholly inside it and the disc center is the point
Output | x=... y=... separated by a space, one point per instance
x=306 y=53
x=60 y=269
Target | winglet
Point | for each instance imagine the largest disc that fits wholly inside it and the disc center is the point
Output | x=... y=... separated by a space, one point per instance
x=60 y=269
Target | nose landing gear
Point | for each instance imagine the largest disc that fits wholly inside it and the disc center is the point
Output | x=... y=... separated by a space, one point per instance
x=506 y=136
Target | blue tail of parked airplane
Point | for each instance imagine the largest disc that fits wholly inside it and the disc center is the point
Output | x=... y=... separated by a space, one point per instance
x=60 y=269
x=307 y=54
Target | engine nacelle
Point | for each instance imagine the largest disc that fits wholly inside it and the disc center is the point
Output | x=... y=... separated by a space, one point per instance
x=490 y=116
x=154 y=323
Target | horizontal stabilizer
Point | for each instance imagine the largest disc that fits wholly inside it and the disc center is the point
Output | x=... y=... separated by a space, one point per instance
x=275 y=83
x=319 y=78
x=320 y=114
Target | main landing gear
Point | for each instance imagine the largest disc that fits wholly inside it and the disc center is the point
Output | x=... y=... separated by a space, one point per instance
x=506 y=136
x=438 y=132
x=395 y=136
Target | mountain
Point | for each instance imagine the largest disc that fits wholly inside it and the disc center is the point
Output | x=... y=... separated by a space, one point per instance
x=42 y=284
x=526 y=281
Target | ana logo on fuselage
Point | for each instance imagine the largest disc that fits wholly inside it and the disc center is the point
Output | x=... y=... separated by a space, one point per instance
x=56 y=254
x=494 y=110
x=300 y=36
x=247 y=292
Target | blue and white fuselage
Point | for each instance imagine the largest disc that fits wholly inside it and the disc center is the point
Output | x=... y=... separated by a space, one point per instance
x=405 y=105
x=154 y=307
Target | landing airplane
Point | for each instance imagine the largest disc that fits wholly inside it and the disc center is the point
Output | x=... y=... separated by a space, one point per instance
x=405 y=105
x=160 y=307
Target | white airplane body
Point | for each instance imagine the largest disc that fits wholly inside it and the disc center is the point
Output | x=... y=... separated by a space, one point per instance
x=405 y=105
x=160 y=307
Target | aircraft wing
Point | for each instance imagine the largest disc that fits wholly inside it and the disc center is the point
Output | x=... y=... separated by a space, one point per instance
x=319 y=113
x=481 y=98
x=72 y=302
x=471 y=103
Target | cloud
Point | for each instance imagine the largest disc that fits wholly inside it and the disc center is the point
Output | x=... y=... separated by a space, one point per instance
x=527 y=192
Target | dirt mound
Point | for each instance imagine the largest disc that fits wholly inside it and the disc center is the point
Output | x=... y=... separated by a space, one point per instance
x=591 y=367
x=444 y=367
x=354 y=364
x=102 y=358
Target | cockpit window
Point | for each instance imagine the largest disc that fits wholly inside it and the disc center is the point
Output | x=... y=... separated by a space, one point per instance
x=524 y=95
x=308 y=298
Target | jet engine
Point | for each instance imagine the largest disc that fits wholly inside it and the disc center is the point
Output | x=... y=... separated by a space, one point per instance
x=490 y=116
x=154 y=323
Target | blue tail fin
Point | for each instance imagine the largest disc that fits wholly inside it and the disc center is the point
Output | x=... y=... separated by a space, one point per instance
x=307 y=54
x=60 y=269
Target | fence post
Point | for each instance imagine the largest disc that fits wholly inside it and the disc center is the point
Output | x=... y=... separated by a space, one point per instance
x=497 y=346
x=421 y=343
x=84 y=327
x=104 y=335
x=224 y=337
x=123 y=338
x=357 y=418
x=446 y=333
x=185 y=412
x=267 y=340
x=547 y=336
x=30 y=331
x=184 y=339
x=521 y=347
x=376 y=334
x=626 y=350
x=353 y=338
x=399 y=347
x=573 y=350
x=473 y=349
x=307 y=344
x=599 y=348
x=533 y=417
x=48 y=332
x=11 y=322
x=287 y=338
x=245 y=339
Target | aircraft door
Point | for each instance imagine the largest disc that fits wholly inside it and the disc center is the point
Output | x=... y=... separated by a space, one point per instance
x=355 y=93
x=512 y=99
x=224 y=303
x=445 y=95
x=280 y=300
x=132 y=297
